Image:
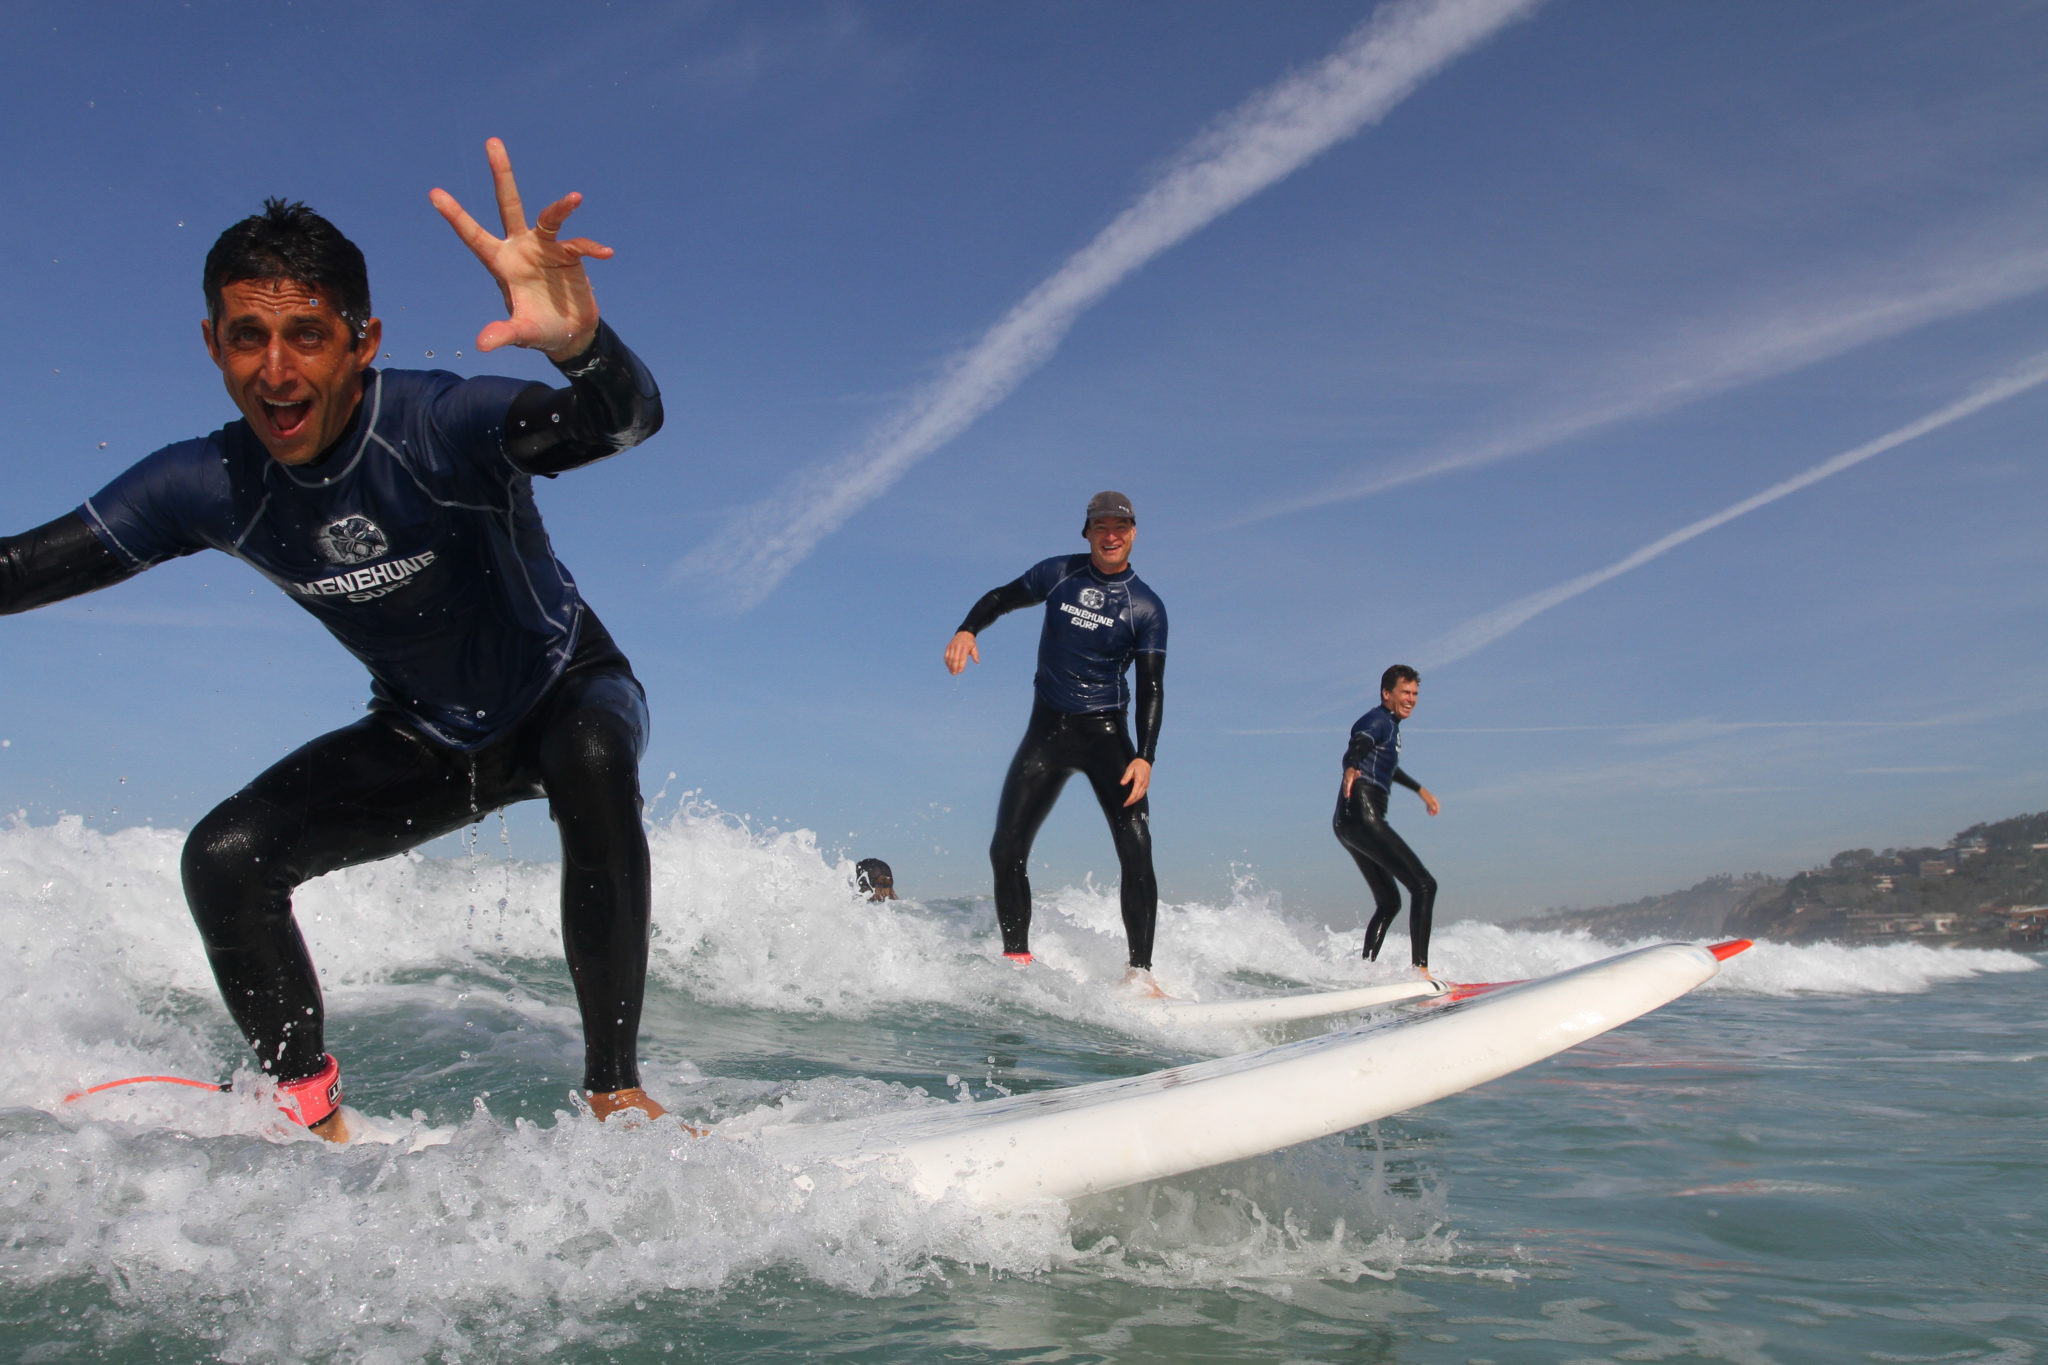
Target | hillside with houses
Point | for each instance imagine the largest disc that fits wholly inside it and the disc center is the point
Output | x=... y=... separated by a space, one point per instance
x=1986 y=887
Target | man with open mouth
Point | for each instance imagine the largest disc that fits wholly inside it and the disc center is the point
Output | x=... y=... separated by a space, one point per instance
x=397 y=507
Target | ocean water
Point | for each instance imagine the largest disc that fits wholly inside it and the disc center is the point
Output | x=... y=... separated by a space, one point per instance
x=1826 y=1154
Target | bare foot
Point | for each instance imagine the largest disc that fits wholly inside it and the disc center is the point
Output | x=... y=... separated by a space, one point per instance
x=1139 y=982
x=1422 y=970
x=605 y=1103
x=334 y=1128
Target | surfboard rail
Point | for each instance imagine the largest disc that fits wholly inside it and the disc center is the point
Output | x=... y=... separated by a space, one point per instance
x=1086 y=1139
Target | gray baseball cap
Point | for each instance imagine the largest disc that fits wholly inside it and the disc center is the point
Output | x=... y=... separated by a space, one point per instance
x=1108 y=503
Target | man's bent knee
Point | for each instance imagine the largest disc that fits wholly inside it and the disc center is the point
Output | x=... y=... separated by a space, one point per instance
x=238 y=846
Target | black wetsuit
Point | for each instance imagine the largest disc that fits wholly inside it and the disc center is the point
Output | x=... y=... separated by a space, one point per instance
x=416 y=541
x=1382 y=855
x=1096 y=624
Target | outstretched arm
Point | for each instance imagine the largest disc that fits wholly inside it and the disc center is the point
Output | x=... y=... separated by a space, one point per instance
x=610 y=405
x=1402 y=779
x=56 y=560
x=1012 y=596
x=547 y=294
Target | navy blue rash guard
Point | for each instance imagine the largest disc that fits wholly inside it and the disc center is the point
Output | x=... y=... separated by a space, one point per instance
x=1094 y=624
x=1375 y=750
x=415 y=541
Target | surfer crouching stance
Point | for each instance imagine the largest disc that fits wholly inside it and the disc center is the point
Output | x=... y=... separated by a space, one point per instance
x=397 y=507
x=1099 y=616
x=1371 y=763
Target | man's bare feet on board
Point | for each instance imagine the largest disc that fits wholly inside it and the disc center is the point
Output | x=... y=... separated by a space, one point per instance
x=1139 y=982
x=631 y=1100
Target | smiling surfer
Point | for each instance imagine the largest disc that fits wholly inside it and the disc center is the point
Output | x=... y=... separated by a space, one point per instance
x=1099 y=618
x=397 y=507
x=1372 y=763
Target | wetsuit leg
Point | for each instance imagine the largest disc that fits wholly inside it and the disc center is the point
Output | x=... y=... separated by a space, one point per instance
x=1038 y=772
x=1386 y=896
x=587 y=747
x=364 y=792
x=1105 y=752
x=1361 y=826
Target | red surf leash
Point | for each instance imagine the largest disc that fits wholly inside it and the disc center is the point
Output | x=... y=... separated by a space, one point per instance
x=305 y=1102
x=139 y=1080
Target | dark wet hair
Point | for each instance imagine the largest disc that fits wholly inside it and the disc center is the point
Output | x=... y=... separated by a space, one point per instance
x=872 y=875
x=1397 y=675
x=288 y=241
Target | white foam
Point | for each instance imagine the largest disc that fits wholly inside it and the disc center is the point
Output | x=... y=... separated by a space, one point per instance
x=100 y=953
x=221 y=1225
x=515 y=1239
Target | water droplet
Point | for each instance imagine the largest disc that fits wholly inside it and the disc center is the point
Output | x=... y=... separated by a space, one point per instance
x=103 y=445
x=181 y=222
x=554 y=417
x=458 y=355
x=430 y=355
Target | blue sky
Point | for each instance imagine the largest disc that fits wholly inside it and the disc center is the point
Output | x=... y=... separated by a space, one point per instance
x=1399 y=325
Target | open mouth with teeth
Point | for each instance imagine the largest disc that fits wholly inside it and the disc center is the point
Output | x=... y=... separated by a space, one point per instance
x=287 y=420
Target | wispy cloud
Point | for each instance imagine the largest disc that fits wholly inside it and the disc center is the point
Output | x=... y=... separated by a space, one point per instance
x=1718 y=355
x=1481 y=631
x=1267 y=138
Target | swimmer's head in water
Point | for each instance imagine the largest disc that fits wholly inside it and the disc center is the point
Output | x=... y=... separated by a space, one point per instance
x=874 y=879
x=288 y=323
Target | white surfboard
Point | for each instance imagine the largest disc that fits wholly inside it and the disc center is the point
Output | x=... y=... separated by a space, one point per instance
x=1085 y=1139
x=1277 y=1009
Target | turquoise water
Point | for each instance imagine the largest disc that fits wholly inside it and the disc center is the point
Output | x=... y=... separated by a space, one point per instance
x=1826 y=1154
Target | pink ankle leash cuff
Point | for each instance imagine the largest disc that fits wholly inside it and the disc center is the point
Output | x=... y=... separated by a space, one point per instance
x=309 y=1101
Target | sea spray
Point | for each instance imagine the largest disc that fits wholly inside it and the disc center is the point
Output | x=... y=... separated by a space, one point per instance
x=172 y=1227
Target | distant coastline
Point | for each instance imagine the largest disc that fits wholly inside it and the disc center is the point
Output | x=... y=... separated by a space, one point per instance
x=1986 y=887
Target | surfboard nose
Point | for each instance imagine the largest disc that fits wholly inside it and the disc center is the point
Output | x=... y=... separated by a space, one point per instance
x=1724 y=951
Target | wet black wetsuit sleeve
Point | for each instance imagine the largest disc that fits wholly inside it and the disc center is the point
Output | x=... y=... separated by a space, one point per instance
x=1151 y=703
x=1012 y=596
x=611 y=404
x=1360 y=749
x=1402 y=779
x=56 y=560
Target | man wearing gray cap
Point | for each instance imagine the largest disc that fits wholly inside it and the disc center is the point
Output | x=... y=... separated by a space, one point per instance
x=1099 y=616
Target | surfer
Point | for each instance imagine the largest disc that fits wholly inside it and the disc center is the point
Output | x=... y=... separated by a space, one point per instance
x=397 y=507
x=1099 y=617
x=1372 y=762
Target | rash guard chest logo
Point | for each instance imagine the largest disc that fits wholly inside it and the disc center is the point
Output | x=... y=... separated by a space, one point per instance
x=356 y=541
x=1091 y=598
x=352 y=540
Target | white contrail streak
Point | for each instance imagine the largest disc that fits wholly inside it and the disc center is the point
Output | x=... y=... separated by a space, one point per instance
x=1270 y=136
x=1482 y=631
x=1713 y=360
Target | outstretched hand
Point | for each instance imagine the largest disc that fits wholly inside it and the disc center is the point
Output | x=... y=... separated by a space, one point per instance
x=541 y=276
x=959 y=650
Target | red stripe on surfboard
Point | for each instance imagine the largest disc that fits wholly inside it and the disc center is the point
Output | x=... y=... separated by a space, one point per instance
x=138 y=1080
x=1465 y=991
